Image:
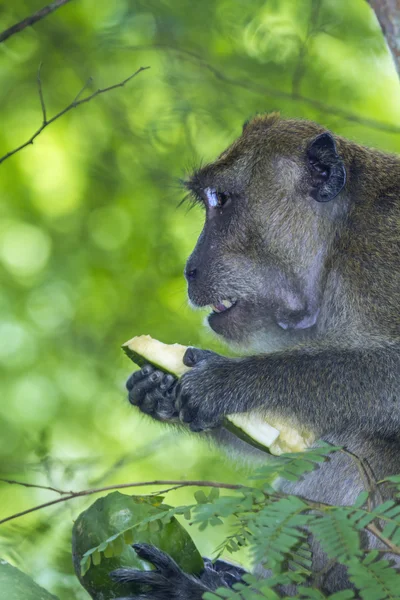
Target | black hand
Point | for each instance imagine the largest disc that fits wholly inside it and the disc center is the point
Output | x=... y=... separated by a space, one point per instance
x=167 y=581
x=154 y=392
x=202 y=398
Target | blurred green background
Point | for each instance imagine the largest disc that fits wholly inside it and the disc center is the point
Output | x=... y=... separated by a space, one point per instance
x=93 y=242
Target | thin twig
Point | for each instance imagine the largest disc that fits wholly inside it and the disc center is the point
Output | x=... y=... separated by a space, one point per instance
x=120 y=486
x=368 y=479
x=32 y=19
x=34 y=485
x=73 y=104
x=372 y=528
x=393 y=548
x=333 y=111
x=40 y=90
x=79 y=94
x=170 y=489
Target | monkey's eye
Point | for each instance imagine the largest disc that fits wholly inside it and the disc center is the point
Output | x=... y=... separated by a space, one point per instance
x=216 y=199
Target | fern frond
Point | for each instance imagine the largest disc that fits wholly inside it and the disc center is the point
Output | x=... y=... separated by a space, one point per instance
x=276 y=529
x=374 y=579
x=292 y=466
x=337 y=534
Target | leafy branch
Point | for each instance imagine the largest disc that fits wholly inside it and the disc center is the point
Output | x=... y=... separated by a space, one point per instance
x=119 y=486
x=74 y=104
x=32 y=19
x=275 y=527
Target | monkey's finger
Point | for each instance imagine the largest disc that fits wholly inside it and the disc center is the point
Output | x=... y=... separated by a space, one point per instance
x=139 y=577
x=145 y=385
x=193 y=356
x=150 y=402
x=167 y=382
x=138 y=375
x=160 y=559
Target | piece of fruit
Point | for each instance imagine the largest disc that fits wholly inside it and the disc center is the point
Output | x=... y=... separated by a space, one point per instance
x=117 y=512
x=166 y=357
x=276 y=436
x=16 y=585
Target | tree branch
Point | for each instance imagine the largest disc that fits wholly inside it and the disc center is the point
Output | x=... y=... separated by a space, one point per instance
x=34 y=485
x=76 y=102
x=29 y=21
x=70 y=495
x=388 y=14
x=177 y=484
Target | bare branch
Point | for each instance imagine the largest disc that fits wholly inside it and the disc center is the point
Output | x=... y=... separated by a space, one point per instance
x=177 y=484
x=388 y=15
x=37 y=16
x=76 y=102
x=70 y=495
x=40 y=90
x=79 y=94
x=257 y=88
x=34 y=485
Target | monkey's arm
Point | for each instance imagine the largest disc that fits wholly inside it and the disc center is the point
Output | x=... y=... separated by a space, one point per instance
x=324 y=390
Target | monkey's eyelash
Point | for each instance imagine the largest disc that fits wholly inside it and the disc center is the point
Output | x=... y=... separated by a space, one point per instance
x=192 y=199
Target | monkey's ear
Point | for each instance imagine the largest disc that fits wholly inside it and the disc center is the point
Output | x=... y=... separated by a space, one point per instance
x=328 y=172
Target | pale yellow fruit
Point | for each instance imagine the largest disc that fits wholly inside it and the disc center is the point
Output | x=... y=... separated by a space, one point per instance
x=276 y=436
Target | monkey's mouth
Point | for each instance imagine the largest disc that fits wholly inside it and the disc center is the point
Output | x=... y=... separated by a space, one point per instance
x=223 y=306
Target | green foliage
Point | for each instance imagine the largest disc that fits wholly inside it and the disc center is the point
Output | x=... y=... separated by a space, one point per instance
x=16 y=585
x=275 y=530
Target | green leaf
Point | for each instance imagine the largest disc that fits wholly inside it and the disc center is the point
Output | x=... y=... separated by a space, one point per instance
x=213 y=495
x=200 y=496
x=374 y=580
x=129 y=537
x=361 y=499
x=16 y=585
x=337 y=535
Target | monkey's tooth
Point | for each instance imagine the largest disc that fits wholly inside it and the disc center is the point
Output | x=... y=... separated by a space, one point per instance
x=218 y=307
x=227 y=303
x=222 y=305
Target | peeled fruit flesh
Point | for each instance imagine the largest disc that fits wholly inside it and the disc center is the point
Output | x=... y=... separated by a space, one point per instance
x=275 y=436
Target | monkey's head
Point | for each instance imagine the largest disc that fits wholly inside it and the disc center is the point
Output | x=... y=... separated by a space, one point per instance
x=273 y=205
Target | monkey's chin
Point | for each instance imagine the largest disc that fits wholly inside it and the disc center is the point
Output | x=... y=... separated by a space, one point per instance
x=227 y=323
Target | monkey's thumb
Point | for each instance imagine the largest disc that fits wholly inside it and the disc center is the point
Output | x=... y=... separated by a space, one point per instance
x=193 y=356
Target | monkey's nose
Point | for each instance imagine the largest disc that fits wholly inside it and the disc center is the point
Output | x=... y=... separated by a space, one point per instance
x=191 y=275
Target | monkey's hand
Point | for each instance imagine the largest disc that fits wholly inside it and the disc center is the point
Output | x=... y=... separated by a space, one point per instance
x=195 y=399
x=168 y=580
x=204 y=395
x=154 y=392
